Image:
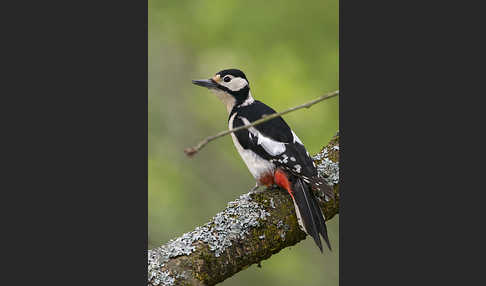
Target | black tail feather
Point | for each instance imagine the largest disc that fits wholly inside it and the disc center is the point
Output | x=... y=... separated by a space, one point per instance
x=304 y=202
x=321 y=222
x=310 y=212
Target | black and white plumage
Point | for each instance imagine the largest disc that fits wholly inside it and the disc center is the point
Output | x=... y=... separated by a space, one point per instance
x=271 y=150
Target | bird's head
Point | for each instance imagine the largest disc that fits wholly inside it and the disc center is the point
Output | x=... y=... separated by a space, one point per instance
x=231 y=86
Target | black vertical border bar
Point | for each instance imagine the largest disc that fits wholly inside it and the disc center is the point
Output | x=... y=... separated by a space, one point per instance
x=405 y=205
x=77 y=102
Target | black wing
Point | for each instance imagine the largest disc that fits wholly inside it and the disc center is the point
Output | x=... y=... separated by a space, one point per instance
x=277 y=129
x=273 y=140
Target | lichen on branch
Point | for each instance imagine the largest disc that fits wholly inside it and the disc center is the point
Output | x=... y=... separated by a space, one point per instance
x=249 y=230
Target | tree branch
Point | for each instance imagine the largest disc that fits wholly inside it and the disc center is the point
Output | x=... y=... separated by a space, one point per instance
x=249 y=230
x=191 y=151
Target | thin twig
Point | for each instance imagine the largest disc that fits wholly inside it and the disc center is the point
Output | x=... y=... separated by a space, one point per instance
x=191 y=151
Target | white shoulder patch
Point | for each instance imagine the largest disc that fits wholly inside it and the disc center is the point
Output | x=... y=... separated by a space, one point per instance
x=271 y=146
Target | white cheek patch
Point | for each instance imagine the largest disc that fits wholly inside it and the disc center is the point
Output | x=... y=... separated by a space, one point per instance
x=272 y=147
x=235 y=84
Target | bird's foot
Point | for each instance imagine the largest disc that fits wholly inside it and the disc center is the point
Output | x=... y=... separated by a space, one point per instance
x=273 y=187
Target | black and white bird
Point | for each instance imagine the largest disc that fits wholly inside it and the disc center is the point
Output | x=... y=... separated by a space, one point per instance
x=271 y=150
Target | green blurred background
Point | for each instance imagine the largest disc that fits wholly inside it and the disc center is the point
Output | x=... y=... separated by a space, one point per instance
x=289 y=53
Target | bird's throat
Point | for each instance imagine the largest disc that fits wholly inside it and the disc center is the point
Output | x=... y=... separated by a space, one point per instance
x=227 y=99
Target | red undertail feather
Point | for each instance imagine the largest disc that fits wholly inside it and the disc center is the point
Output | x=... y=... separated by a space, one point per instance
x=266 y=179
x=282 y=180
x=306 y=204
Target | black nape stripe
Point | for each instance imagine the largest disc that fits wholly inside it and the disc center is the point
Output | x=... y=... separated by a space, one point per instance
x=241 y=95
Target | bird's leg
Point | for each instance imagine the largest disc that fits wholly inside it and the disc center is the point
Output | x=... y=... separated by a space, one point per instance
x=267 y=187
x=255 y=187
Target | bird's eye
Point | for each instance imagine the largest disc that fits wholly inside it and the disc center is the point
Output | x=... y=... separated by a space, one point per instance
x=226 y=79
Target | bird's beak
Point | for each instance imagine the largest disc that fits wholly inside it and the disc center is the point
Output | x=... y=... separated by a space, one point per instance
x=211 y=83
x=205 y=83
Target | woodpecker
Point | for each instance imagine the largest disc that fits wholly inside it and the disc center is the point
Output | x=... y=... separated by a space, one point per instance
x=271 y=150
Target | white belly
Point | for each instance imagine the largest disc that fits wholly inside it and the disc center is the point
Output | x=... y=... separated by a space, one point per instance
x=256 y=164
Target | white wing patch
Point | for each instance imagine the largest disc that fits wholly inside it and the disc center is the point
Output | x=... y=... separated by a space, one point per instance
x=271 y=146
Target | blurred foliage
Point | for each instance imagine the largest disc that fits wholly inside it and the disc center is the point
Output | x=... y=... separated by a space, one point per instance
x=289 y=52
